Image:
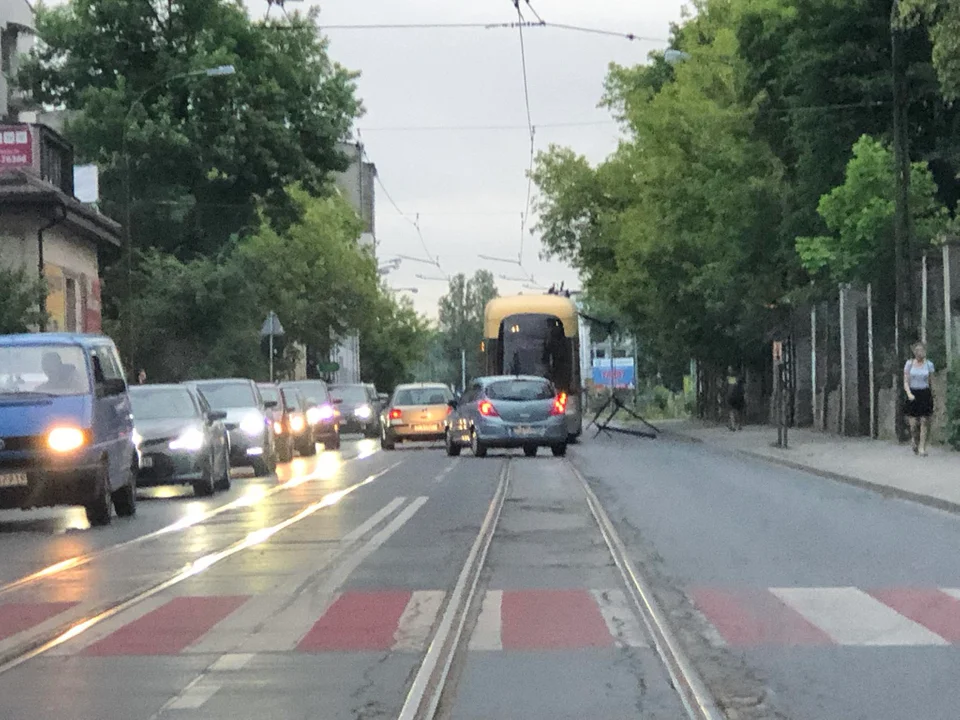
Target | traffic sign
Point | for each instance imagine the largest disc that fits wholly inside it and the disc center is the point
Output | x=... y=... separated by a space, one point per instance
x=328 y=367
x=271 y=326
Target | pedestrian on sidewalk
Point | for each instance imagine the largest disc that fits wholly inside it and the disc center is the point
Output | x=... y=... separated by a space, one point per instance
x=735 y=399
x=919 y=407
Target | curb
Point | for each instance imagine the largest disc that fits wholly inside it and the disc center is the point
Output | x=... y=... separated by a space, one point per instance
x=880 y=489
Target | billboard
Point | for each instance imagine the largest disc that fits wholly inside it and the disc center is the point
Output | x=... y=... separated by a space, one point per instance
x=16 y=146
x=621 y=375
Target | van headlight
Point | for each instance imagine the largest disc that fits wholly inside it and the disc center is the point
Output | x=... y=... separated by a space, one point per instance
x=66 y=439
x=252 y=425
x=191 y=439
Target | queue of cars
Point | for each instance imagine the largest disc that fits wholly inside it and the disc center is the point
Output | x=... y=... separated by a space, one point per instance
x=515 y=411
x=73 y=433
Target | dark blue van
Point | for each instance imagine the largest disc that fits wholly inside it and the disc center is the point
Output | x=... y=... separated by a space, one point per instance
x=66 y=428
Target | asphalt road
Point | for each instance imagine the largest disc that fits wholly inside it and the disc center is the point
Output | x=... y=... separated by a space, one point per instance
x=810 y=597
x=317 y=592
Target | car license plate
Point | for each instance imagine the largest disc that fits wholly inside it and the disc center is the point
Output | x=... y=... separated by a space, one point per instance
x=146 y=461
x=527 y=431
x=13 y=480
x=424 y=428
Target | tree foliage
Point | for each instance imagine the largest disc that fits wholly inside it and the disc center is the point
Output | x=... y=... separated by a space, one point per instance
x=393 y=340
x=460 y=320
x=205 y=152
x=20 y=300
x=859 y=214
x=732 y=186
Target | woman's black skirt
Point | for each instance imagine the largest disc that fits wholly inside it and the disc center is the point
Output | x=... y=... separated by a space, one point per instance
x=921 y=405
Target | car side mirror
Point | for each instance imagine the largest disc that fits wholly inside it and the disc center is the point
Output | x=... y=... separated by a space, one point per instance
x=337 y=401
x=270 y=404
x=453 y=403
x=383 y=398
x=216 y=415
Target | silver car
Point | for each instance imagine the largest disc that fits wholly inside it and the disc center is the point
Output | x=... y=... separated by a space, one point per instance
x=512 y=411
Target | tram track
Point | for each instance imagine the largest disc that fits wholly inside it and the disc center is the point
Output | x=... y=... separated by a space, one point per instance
x=432 y=692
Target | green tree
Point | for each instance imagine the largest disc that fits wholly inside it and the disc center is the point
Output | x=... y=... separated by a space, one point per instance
x=460 y=320
x=393 y=340
x=314 y=274
x=205 y=153
x=20 y=300
x=859 y=214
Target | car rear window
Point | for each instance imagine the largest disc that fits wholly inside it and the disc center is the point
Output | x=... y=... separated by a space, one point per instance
x=270 y=392
x=520 y=390
x=352 y=394
x=315 y=391
x=161 y=403
x=224 y=395
x=423 y=396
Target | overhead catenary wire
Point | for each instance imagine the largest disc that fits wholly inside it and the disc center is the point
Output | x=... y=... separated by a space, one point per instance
x=530 y=127
x=492 y=26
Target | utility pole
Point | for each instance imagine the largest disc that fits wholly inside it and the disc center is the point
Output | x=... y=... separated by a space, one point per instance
x=903 y=247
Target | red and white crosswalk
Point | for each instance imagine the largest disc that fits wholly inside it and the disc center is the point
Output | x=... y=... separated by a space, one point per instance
x=833 y=616
x=354 y=620
x=509 y=620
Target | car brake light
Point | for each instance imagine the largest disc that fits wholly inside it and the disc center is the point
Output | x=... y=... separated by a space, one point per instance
x=487 y=409
x=559 y=405
x=395 y=414
x=449 y=410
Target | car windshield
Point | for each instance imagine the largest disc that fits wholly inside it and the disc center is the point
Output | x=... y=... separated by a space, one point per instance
x=350 y=394
x=313 y=390
x=161 y=403
x=224 y=395
x=423 y=396
x=270 y=393
x=48 y=369
x=520 y=390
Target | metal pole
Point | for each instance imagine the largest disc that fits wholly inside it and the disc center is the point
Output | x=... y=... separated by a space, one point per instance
x=870 y=362
x=901 y=150
x=271 y=355
x=463 y=369
x=843 y=361
x=923 y=301
x=813 y=364
x=947 y=308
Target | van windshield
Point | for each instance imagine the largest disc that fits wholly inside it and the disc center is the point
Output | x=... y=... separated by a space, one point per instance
x=47 y=369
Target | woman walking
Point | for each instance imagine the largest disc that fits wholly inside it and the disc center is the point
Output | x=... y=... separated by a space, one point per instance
x=735 y=399
x=919 y=407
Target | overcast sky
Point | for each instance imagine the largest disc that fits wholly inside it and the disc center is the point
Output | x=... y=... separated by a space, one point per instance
x=468 y=186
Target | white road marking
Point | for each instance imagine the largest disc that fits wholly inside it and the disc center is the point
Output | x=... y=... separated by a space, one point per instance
x=446 y=471
x=193 y=696
x=225 y=636
x=231 y=662
x=486 y=635
x=283 y=631
x=852 y=617
x=620 y=617
x=72 y=615
x=108 y=627
x=417 y=620
x=952 y=592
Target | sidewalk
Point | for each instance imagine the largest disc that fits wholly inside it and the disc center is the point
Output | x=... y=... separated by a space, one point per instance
x=877 y=465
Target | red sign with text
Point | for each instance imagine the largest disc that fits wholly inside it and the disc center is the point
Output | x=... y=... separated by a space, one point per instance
x=16 y=146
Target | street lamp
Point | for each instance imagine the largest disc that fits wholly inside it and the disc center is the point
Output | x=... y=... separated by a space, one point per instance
x=903 y=251
x=218 y=71
x=406 y=289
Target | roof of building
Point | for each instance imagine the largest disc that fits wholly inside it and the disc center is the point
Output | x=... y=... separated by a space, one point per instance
x=22 y=187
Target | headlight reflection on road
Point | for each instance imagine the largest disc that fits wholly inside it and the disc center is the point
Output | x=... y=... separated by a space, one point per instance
x=326 y=468
x=251 y=496
x=366 y=448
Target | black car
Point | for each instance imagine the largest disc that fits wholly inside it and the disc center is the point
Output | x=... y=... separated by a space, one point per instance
x=322 y=414
x=296 y=412
x=251 y=429
x=180 y=440
x=359 y=409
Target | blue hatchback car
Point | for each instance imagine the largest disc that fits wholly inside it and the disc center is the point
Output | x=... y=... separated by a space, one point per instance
x=66 y=427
